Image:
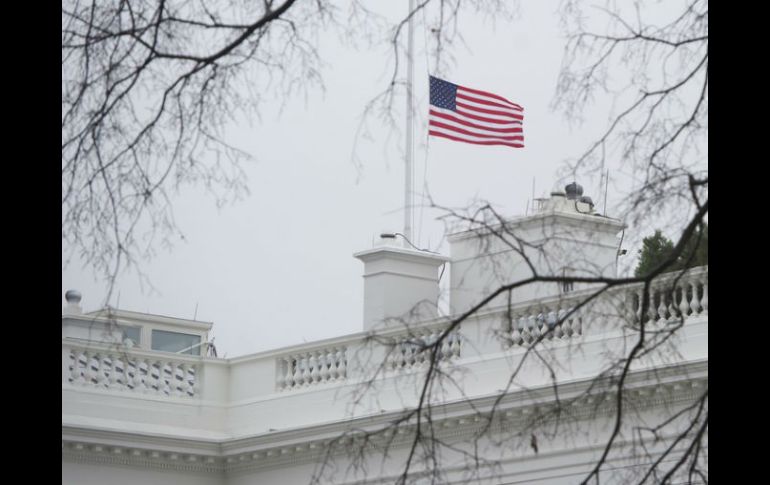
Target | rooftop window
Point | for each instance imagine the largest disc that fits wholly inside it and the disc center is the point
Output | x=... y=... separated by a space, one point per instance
x=180 y=343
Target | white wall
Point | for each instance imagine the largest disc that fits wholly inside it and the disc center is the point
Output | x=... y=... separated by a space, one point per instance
x=88 y=474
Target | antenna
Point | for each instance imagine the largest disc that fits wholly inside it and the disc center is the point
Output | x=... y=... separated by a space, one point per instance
x=606 y=184
x=409 y=122
x=117 y=305
x=196 y=311
x=533 y=193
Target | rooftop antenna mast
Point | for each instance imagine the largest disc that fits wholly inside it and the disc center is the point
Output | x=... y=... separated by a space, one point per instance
x=533 y=195
x=409 y=125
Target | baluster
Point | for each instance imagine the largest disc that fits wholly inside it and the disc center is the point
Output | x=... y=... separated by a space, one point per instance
x=300 y=366
x=92 y=369
x=104 y=371
x=684 y=305
x=651 y=310
x=312 y=368
x=76 y=376
x=704 y=302
x=167 y=378
x=145 y=374
x=457 y=345
x=402 y=354
x=99 y=370
x=417 y=353
x=553 y=321
x=407 y=353
x=171 y=375
x=564 y=327
x=331 y=362
x=342 y=362
x=156 y=376
x=532 y=327
x=542 y=326
x=443 y=349
x=326 y=365
x=72 y=366
x=413 y=353
x=296 y=371
x=671 y=307
x=445 y=352
x=87 y=372
x=192 y=380
x=150 y=377
x=526 y=335
x=130 y=373
x=122 y=371
x=323 y=366
x=307 y=370
x=661 y=313
x=420 y=350
x=695 y=301
x=178 y=374
x=515 y=331
x=139 y=376
x=186 y=385
x=113 y=376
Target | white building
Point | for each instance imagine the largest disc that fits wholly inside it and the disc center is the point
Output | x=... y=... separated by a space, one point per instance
x=142 y=402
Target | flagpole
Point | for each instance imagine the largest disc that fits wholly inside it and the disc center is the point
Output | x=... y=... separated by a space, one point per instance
x=409 y=126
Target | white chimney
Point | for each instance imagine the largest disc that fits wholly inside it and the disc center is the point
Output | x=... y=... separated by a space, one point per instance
x=400 y=284
x=563 y=237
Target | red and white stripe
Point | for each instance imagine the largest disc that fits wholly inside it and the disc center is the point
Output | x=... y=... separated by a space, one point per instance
x=481 y=118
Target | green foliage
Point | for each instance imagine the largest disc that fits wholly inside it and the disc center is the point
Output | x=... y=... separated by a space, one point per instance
x=656 y=249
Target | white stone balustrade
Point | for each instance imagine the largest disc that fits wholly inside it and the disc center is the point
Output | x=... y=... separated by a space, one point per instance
x=414 y=350
x=548 y=319
x=312 y=367
x=124 y=370
x=339 y=361
x=672 y=297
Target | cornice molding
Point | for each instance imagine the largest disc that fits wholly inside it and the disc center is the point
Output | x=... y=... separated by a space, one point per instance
x=455 y=421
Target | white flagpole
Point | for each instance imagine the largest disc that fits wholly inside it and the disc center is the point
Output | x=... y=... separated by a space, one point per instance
x=409 y=128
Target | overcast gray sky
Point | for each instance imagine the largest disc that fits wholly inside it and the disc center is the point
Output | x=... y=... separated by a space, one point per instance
x=276 y=268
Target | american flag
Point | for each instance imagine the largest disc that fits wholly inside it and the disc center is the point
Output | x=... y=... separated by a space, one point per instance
x=473 y=116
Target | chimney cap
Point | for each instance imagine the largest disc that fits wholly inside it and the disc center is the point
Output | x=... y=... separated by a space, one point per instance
x=574 y=190
x=73 y=296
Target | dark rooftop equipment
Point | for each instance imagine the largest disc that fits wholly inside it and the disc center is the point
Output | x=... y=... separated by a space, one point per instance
x=574 y=191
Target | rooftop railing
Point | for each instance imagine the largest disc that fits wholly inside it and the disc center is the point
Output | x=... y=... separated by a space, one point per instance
x=673 y=297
